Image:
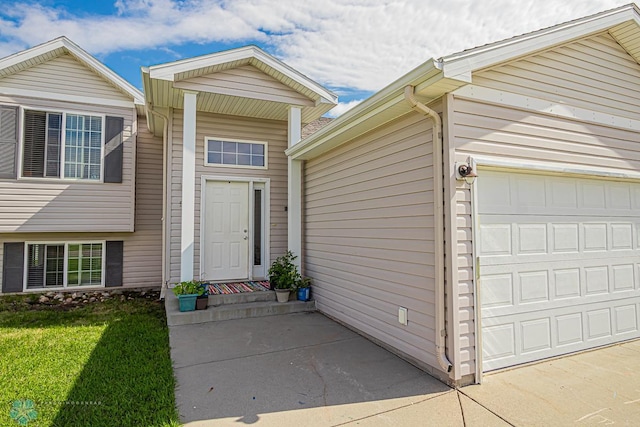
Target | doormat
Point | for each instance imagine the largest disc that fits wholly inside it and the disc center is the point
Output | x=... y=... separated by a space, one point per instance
x=238 y=288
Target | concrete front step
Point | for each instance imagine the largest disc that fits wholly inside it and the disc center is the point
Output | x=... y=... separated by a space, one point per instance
x=234 y=310
x=242 y=298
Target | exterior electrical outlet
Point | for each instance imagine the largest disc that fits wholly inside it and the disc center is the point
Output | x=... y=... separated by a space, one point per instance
x=403 y=315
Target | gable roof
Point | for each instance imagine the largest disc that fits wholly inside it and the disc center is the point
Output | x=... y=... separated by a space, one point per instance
x=164 y=85
x=436 y=77
x=58 y=47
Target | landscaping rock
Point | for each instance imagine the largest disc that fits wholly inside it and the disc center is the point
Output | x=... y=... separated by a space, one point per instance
x=43 y=299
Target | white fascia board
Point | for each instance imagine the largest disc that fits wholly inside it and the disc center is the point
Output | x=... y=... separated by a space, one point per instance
x=82 y=56
x=170 y=70
x=485 y=56
x=377 y=103
x=66 y=97
x=544 y=106
x=31 y=53
x=524 y=165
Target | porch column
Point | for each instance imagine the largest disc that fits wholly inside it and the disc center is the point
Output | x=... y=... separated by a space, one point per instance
x=294 y=226
x=188 y=186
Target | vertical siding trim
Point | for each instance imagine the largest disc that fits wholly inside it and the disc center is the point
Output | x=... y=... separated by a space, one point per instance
x=477 y=313
x=168 y=220
x=450 y=226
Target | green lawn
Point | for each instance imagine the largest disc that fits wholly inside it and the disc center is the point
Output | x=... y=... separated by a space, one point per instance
x=96 y=364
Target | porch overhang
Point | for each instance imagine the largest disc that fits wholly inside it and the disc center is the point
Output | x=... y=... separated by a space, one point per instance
x=165 y=85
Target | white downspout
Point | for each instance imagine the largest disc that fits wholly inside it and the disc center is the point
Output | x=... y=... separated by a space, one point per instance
x=438 y=218
x=165 y=139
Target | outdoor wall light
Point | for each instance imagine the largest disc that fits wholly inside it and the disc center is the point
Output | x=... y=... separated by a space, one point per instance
x=466 y=171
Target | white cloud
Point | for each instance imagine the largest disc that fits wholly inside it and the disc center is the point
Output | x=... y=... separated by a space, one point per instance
x=359 y=44
x=343 y=107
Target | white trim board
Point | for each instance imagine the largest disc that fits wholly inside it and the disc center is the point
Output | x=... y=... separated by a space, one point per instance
x=527 y=165
x=65 y=97
x=544 y=106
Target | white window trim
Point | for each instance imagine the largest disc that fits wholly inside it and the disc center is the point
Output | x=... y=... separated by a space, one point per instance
x=66 y=255
x=63 y=138
x=266 y=219
x=247 y=141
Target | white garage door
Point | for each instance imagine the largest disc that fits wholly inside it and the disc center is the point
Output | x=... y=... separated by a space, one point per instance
x=559 y=265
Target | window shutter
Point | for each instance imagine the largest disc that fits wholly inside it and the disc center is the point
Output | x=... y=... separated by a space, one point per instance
x=35 y=128
x=113 y=149
x=113 y=274
x=13 y=267
x=8 y=141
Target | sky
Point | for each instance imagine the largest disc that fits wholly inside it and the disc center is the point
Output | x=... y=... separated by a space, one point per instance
x=352 y=47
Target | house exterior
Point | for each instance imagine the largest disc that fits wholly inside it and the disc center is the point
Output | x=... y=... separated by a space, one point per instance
x=479 y=213
x=535 y=254
x=80 y=175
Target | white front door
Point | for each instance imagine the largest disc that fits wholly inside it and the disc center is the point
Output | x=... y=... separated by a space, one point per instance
x=226 y=231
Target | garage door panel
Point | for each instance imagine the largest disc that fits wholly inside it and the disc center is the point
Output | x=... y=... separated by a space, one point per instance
x=559 y=265
x=508 y=289
x=535 y=194
x=526 y=337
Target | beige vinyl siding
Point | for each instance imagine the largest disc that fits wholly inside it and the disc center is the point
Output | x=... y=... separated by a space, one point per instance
x=465 y=280
x=369 y=246
x=56 y=205
x=63 y=75
x=595 y=74
x=245 y=82
x=511 y=133
x=232 y=127
x=143 y=248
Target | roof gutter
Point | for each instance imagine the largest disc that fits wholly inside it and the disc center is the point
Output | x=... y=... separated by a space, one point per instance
x=438 y=218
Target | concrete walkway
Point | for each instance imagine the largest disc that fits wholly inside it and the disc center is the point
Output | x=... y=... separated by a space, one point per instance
x=306 y=370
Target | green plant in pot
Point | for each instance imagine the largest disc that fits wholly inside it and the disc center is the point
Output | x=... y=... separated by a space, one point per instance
x=284 y=276
x=303 y=289
x=202 y=301
x=187 y=293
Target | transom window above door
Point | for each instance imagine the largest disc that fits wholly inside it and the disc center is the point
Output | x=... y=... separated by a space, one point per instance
x=236 y=153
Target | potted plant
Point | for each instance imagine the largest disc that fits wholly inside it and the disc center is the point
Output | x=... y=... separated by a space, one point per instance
x=202 y=301
x=187 y=293
x=304 y=289
x=284 y=276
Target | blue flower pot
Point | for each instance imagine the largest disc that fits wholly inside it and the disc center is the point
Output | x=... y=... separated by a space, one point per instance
x=187 y=302
x=304 y=294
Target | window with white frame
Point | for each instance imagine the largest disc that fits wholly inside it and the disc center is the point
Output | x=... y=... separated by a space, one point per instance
x=61 y=265
x=238 y=153
x=62 y=145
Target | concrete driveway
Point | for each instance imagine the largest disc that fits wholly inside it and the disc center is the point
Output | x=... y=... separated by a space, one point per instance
x=306 y=370
x=597 y=387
